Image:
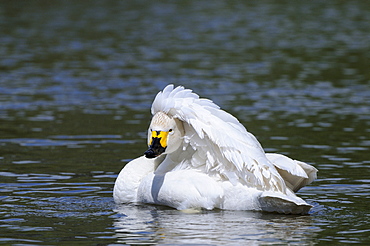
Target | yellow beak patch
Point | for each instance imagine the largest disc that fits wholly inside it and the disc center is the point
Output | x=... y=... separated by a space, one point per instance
x=161 y=135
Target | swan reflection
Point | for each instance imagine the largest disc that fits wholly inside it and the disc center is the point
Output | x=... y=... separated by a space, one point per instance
x=145 y=224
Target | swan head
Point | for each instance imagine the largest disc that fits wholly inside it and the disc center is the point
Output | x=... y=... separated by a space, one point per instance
x=165 y=135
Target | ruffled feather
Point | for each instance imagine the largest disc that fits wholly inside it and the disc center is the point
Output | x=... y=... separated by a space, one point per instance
x=229 y=150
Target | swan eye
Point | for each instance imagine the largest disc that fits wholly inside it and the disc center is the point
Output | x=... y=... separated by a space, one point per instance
x=170 y=130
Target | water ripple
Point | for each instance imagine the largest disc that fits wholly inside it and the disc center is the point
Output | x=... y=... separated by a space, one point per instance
x=77 y=81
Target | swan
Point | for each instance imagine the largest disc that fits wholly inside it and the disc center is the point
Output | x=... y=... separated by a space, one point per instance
x=201 y=157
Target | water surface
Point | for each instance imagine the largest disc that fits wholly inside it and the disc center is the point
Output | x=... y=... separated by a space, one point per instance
x=77 y=81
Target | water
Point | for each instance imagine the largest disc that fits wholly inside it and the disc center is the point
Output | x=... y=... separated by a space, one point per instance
x=77 y=80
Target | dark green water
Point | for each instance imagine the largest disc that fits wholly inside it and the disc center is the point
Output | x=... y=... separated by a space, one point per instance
x=77 y=79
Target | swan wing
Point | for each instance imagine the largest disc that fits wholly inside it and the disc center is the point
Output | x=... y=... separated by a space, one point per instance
x=219 y=140
x=295 y=173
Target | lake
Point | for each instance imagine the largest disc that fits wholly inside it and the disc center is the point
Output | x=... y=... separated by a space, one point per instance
x=77 y=80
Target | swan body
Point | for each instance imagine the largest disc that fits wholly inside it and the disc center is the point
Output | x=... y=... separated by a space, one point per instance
x=200 y=156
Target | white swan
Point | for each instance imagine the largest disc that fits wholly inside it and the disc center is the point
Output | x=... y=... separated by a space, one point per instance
x=200 y=156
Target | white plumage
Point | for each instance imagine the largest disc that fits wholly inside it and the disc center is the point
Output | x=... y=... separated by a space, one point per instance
x=209 y=160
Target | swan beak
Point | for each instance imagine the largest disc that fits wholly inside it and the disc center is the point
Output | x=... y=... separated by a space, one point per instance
x=157 y=144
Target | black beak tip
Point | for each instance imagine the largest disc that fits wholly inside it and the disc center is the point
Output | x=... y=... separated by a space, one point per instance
x=150 y=154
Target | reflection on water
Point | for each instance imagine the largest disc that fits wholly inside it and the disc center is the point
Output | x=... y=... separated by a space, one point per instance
x=77 y=81
x=151 y=225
